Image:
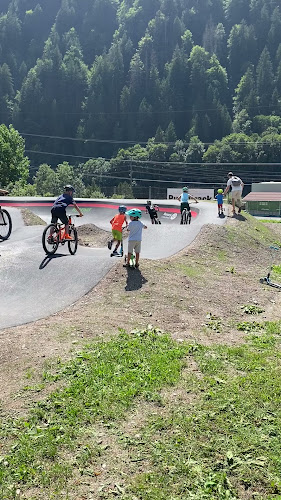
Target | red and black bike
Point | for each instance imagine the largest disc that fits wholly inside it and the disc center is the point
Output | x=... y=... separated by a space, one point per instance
x=54 y=235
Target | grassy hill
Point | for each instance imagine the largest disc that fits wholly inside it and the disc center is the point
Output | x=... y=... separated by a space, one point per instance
x=158 y=384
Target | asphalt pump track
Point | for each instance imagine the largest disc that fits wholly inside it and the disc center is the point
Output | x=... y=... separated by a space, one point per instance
x=34 y=286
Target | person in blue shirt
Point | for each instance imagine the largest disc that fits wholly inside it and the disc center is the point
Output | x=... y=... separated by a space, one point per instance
x=184 y=199
x=135 y=228
x=59 y=208
x=219 y=198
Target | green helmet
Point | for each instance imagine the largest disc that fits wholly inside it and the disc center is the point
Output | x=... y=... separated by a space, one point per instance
x=220 y=191
x=185 y=189
x=134 y=212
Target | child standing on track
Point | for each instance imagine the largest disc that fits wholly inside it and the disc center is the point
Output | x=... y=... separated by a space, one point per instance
x=135 y=228
x=219 y=198
x=117 y=226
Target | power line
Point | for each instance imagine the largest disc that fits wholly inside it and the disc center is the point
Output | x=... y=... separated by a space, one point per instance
x=136 y=112
x=113 y=141
x=152 y=162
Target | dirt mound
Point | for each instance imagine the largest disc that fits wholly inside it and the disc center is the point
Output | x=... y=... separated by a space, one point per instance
x=92 y=236
x=31 y=219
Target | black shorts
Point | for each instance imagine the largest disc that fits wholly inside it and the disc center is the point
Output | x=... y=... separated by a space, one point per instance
x=153 y=215
x=59 y=213
x=184 y=205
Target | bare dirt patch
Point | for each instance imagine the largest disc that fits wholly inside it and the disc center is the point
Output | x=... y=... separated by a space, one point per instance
x=92 y=236
x=31 y=219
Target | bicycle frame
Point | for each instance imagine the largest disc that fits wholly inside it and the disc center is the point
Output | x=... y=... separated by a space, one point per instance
x=61 y=229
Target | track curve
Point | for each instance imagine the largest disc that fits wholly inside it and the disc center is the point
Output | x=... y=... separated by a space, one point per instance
x=34 y=286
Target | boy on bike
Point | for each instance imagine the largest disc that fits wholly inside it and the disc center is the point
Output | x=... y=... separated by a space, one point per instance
x=59 y=208
x=117 y=226
x=152 y=211
x=135 y=237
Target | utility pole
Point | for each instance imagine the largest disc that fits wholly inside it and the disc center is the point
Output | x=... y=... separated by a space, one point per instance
x=131 y=174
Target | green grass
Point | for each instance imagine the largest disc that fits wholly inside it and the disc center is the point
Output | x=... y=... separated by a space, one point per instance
x=189 y=271
x=270 y=221
x=223 y=440
x=276 y=272
x=101 y=384
x=252 y=309
x=230 y=438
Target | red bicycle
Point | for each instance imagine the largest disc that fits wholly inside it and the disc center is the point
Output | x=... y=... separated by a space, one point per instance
x=54 y=235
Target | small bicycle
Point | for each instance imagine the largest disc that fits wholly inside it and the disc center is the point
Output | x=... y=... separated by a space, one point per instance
x=185 y=216
x=132 y=262
x=54 y=235
x=5 y=224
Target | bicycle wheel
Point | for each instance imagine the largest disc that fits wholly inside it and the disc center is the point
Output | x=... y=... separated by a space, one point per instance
x=184 y=216
x=72 y=245
x=50 y=239
x=189 y=217
x=5 y=224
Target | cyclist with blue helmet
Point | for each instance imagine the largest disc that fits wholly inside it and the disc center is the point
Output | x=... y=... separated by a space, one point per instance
x=135 y=228
x=117 y=226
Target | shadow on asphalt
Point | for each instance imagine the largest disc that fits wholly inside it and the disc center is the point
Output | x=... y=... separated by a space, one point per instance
x=49 y=258
x=135 y=280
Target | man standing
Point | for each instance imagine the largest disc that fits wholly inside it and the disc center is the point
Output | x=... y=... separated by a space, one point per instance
x=236 y=186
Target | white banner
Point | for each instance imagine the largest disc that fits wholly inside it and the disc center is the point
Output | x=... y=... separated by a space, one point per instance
x=200 y=194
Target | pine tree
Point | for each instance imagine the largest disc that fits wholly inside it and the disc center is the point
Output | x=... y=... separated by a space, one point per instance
x=265 y=80
x=245 y=95
x=242 y=46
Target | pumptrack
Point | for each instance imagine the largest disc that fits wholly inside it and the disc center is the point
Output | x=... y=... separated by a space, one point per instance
x=34 y=285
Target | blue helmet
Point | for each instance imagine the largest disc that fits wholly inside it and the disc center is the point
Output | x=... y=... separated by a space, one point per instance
x=134 y=212
x=122 y=209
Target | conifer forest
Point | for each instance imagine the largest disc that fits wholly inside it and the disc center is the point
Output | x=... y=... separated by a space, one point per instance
x=129 y=92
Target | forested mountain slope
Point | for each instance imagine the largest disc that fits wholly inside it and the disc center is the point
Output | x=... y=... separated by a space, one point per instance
x=125 y=70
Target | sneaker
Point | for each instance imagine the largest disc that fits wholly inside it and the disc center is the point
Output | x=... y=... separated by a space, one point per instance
x=109 y=245
x=67 y=237
x=239 y=210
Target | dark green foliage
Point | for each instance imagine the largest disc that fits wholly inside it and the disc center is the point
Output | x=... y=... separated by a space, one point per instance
x=117 y=70
x=13 y=164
